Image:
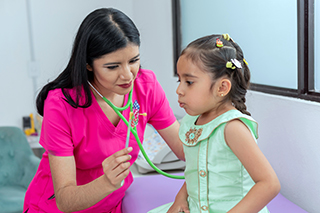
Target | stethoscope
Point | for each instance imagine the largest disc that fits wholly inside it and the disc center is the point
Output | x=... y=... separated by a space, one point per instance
x=133 y=130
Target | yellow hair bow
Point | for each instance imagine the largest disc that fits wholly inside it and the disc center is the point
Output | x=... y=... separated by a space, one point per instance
x=226 y=36
x=234 y=63
x=230 y=65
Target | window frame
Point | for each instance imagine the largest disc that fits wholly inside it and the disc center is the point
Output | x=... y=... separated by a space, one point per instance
x=305 y=34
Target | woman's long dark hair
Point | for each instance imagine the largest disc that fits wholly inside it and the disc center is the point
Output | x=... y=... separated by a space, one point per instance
x=103 y=31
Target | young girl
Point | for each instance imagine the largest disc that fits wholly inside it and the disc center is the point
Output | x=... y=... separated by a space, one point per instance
x=225 y=169
x=86 y=160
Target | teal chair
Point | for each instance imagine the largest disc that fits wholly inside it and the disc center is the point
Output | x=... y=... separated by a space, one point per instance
x=18 y=165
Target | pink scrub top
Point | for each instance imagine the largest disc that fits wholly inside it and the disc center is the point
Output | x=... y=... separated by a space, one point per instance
x=88 y=135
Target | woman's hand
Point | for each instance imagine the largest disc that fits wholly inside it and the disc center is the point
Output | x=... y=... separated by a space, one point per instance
x=71 y=197
x=116 y=167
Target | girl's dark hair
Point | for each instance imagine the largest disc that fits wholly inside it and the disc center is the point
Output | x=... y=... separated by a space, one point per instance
x=103 y=31
x=213 y=59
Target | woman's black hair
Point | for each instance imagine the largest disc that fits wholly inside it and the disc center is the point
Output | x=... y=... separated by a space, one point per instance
x=213 y=59
x=103 y=31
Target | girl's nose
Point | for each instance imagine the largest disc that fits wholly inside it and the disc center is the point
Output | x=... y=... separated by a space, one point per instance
x=179 y=90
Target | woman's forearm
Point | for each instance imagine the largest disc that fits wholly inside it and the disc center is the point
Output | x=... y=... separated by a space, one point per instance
x=171 y=136
x=70 y=197
x=75 y=198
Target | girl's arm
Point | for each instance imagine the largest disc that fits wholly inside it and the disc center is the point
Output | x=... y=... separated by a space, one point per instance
x=180 y=203
x=70 y=197
x=171 y=136
x=239 y=139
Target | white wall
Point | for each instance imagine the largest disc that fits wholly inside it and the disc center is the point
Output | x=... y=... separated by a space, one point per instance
x=53 y=27
x=289 y=136
x=15 y=87
x=288 y=129
x=157 y=43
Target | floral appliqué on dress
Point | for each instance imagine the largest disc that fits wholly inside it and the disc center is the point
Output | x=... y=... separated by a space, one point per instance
x=192 y=135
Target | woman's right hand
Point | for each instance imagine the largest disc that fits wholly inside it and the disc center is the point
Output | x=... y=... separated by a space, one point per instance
x=116 y=167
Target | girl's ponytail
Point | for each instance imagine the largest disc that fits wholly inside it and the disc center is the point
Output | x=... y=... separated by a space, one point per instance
x=239 y=88
x=241 y=83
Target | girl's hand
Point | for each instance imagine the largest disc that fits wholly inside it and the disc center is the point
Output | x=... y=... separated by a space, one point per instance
x=116 y=167
x=179 y=206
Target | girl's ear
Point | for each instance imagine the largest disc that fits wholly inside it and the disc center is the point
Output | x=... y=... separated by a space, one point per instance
x=89 y=67
x=224 y=87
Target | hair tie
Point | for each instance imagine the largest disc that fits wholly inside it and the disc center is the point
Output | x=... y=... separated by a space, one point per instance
x=244 y=60
x=219 y=43
x=234 y=63
x=226 y=36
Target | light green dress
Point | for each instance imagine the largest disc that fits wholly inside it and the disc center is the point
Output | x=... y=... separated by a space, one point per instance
x=216 y=179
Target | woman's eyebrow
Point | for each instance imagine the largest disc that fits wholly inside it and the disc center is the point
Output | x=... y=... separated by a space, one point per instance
x=114 y=63
x=136 y=56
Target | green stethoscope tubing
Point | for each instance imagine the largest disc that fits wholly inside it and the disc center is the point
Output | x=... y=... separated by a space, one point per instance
x=134 y=132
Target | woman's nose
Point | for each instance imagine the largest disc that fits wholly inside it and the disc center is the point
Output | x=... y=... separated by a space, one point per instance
x=126 y=73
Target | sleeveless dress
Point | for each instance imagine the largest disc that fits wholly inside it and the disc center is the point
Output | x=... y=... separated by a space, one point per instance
x=216 y=179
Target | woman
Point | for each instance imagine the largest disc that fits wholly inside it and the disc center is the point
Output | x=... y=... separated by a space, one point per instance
x=86 y=165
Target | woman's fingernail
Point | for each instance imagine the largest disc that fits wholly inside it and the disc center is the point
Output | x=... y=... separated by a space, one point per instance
x=129 y=149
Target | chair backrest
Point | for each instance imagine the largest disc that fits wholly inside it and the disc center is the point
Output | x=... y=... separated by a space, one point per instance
x=15 y=153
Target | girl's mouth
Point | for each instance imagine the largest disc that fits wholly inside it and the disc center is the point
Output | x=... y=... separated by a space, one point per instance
x=181 y=104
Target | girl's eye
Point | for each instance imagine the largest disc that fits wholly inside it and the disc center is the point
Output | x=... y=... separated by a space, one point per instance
x=178 y=80
x=189 y=82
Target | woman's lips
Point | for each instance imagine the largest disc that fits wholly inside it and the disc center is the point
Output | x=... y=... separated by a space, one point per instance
x=125 y=85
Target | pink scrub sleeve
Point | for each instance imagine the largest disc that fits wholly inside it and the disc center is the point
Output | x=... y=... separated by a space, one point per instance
x=55 y=132
x=161 y=113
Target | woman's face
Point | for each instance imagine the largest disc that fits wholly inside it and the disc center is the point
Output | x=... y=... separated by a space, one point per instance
x=115 y=72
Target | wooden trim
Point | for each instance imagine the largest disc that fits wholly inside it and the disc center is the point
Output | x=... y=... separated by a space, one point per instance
x=176 y=24
x=310 y=95
x=310 y=47
x=302 y=43
x=274 y=90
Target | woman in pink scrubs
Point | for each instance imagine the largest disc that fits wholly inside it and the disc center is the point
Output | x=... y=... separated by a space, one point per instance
x=86 y=166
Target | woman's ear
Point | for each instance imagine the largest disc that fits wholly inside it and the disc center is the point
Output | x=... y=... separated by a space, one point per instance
x=224 y=87
x=89 y=67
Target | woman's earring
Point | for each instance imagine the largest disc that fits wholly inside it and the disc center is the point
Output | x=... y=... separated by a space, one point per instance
x=221 y=94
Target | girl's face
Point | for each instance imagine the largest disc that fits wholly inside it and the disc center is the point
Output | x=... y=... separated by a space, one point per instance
x=115 y=72
x=194 y=93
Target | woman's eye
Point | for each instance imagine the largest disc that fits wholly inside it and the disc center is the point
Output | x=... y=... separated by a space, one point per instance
x=178 y=80
x=134 y=60
x=112 y=67
x=189 y=82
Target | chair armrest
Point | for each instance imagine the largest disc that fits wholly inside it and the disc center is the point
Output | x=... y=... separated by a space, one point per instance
x=30 y=169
